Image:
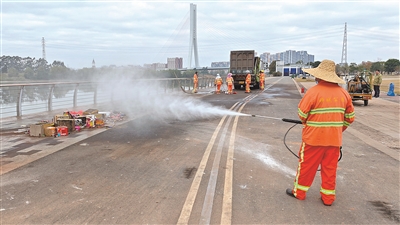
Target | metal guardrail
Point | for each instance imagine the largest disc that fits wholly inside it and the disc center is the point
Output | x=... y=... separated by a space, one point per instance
x=23 y=99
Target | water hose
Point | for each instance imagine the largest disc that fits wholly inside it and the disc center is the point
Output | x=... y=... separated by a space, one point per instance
x=284 y=137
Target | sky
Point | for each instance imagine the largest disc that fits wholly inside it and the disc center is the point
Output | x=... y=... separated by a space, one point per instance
x=143 y=32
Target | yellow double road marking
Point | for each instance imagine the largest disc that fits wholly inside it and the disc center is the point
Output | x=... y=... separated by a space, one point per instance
x=226 y=215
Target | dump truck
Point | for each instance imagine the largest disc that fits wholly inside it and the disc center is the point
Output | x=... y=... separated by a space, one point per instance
x=359 y=89
x=242 y=61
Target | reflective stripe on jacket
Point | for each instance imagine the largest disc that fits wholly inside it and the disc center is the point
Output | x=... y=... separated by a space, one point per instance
x=262 y=76
x=218 y=81
x=326 y=110
x=248 y=79
x=229 y=80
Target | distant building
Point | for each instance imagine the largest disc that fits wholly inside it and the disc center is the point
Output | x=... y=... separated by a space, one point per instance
x=156 y=66
x=93 y=64
x=266 y=57
x=174 y=63
x=220 y=64
x=277 y=57
x=290 y=69
x=292 y=57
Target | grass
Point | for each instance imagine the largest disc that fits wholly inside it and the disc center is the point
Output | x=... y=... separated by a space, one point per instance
x=308 y=79
x=391 y=79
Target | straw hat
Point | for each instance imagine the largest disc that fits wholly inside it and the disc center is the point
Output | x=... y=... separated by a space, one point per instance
x=325 y=71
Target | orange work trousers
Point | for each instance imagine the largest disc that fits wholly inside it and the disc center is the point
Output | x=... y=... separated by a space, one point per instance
x=218 y=88
x=310 y=157
x=262 y=82
x=230 y=88
x=195 y=86
x=247 y=88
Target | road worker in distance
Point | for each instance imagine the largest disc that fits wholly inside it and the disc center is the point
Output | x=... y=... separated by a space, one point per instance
x=248 y=81
x=229 y=83
x=262 y=79
x=218 y=82
x=195 y=82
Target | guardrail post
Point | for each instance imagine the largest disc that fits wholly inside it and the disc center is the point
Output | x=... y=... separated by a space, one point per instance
x=19 y=103
x=50 y=101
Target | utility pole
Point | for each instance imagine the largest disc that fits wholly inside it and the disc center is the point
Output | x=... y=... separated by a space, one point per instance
x=43 y=49
x=193 y=36
x=344 y=49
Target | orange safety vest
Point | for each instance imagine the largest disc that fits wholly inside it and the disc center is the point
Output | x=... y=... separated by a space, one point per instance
x=262 y=76
x=248 y=79
x=326 y=110
x=229 y=80
x=195 y=79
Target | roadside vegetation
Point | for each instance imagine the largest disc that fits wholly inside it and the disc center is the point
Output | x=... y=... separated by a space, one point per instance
x=386 y=80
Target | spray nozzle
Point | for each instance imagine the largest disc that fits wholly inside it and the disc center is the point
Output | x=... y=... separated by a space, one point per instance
x=276 y=118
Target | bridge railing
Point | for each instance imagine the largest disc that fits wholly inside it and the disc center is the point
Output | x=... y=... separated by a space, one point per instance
x=23 y=99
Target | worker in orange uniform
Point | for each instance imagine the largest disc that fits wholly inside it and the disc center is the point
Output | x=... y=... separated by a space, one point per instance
x=326 y=110
x=262 y=79
x=195 y=82
x=218 y=82
x=248 y=81
x=229 y=83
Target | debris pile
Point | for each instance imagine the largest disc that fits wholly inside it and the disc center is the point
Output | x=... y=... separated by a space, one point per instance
x=74 y=121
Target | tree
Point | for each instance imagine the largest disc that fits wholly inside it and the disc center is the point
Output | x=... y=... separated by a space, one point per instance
x=366 y=65
x=272 y=67
x=42 y=73
x=4 y=69
x=340 y=69
x=58 y=70
x=377 y=66
x=12 y=72
x=353 y=68
x=392 y=65
x=29 y=73
x=277 y=74
x=315 y=64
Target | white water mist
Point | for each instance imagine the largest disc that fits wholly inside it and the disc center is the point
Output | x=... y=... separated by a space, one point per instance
x=149 y=97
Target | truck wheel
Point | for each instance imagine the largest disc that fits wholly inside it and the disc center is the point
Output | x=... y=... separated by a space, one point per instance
x=365 y=102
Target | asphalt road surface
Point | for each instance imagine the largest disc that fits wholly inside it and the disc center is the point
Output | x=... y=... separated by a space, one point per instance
x=207 y=169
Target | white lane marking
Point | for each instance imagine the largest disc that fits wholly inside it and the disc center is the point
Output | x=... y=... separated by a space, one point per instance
x=191 y=197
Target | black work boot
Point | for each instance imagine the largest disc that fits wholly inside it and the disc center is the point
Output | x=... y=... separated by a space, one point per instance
x=289 y=192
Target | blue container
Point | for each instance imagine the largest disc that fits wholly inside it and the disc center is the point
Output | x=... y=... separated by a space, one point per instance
x=391 y=90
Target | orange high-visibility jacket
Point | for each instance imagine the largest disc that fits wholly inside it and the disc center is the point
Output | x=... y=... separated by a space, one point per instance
x=229 y=80
x=218 y=81
x=262 y=76
x=248 y=79
x=326 y=110
x=195 y=79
